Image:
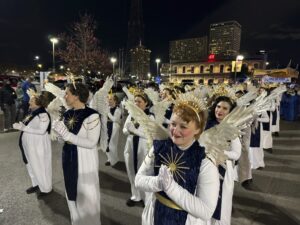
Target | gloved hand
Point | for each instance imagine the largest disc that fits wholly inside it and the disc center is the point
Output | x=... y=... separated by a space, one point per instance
x=60 y=128
x=19 y=126
x=130 y=127
x=165 y=177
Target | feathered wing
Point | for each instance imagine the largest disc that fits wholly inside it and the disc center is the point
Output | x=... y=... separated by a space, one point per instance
x=153 y=130
x=57 y=92
x=128 y=94
x=216 y=139
x=55 y=110
x=153 y=95
x=159 y=110
x=101 y=105
x=245 y=99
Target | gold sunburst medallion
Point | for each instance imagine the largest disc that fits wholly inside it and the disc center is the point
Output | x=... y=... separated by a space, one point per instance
x=175 y=164
x=71 y=121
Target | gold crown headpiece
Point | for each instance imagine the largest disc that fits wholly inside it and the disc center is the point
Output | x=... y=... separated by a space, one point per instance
x=223 y=90
x=192 y=101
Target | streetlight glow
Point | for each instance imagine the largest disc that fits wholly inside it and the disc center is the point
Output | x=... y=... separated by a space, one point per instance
x=54 y=41
x=157 y=65
x=238 y=58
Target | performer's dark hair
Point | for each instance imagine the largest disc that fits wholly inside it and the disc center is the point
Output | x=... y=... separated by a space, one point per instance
x=232 y=104
x=44 y=99
x=79 y=90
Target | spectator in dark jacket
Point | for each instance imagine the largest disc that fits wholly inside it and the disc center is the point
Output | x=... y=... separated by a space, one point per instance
x=8 y=106
x=25 y=86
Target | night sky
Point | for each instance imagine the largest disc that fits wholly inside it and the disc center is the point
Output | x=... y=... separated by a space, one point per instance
x=266 y=24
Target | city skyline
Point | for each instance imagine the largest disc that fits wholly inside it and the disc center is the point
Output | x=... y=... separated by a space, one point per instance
x=268 y=25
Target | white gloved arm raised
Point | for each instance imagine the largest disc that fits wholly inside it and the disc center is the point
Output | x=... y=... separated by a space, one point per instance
x=236 y=149
x=203 y=204
x=43 y=123
x=145 y=179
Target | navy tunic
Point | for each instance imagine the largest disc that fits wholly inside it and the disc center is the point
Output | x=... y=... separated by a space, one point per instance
x=73 y=120
x=186 y=167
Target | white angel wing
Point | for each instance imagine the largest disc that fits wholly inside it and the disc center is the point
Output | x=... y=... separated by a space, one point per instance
x=55 y=110
x=261 y=103
x=153 y=95
x=101 y=105
x=100 y=97
x=128 y=94
x=245 y=99
x=159 y=110
x=153 y=131
x=215 y=140
x=57 y=92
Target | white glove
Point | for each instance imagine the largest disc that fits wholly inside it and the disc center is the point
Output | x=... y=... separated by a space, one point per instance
x=165 y=177
x=19 y=126
x=60 y=128
x=130 y=127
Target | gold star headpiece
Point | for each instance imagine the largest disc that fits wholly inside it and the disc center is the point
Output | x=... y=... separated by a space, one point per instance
x=194 y=102
x=223 y=90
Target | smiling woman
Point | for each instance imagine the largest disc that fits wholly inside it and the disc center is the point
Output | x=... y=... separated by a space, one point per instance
x=182 y=181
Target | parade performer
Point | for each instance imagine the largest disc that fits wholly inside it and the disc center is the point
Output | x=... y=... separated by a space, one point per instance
x=80 y=129
x=256 y=152
x=180 y=169
x=35 y=145
x=135 y=148
x=222 y=106
x=113 y=129
x=187 y=192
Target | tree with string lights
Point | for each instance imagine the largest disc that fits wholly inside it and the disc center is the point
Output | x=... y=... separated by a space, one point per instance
x=81 y=50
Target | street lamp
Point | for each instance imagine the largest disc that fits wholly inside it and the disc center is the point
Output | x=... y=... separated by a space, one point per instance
x=238 y=58
x=157 y=65
x=113 y=60
x=54 y=41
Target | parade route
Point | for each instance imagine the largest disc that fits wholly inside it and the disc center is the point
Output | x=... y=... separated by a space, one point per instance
x=274 y=199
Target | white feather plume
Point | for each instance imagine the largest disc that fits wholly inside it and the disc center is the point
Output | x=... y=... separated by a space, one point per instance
x=57 y=92
x=153 y=130
x=246 y=98
x=101 y=105
x=215 y=140
x=128 y=94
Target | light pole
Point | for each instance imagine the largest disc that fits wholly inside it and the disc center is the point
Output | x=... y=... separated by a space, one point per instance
x=54 y=41
x=238 y=58
x=157 y=65
x=113 y=60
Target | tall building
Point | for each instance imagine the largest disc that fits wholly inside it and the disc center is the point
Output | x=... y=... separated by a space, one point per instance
x=140 y=62
x=185 y=50
x=225 y=39
x=135 y=25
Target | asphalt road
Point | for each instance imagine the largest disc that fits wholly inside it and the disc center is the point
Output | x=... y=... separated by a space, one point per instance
x=274 y=200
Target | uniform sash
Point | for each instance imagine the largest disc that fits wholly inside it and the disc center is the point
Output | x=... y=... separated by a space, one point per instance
x=73 y=119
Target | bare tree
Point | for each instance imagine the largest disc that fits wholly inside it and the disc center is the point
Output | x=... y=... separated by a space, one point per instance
x=82 y=52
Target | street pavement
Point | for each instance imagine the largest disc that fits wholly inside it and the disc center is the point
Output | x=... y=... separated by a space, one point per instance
x=273 y=200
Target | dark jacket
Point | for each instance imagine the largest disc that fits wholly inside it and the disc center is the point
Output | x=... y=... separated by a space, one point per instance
x=7 y=95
